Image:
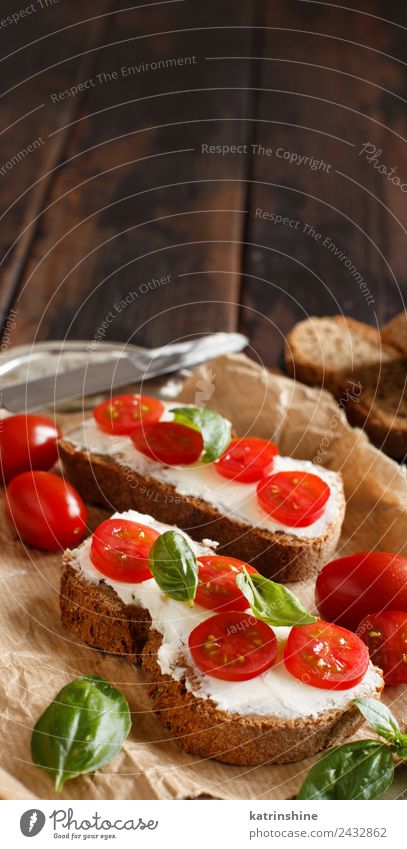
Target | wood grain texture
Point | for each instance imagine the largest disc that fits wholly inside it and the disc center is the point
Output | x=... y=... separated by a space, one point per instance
x=140 y=231
x=137 y=200
x=41 y=54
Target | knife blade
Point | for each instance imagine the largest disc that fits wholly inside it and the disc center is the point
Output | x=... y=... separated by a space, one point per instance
x=119 y=371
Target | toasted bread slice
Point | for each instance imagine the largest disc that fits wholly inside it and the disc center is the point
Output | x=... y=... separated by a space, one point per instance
x=200 y=728
x=365 y=374
x=325 y=351
x=279 y=555
x=395 y=332
x=95 y=613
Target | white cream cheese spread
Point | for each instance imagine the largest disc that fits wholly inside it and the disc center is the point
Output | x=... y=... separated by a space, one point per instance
x=238 y=501
x=273 y=693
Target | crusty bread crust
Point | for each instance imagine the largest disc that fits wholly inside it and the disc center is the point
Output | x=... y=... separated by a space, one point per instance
x=317 y=352
x=96 y=614
x=280 y=556
x=200 y=728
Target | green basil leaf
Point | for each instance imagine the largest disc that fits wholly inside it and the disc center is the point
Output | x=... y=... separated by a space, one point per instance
x=173 y=565
x=271 y=602
x=361 y=770
x=214 y=428
x=399 y=742
x=82 y=729
x=379 y=717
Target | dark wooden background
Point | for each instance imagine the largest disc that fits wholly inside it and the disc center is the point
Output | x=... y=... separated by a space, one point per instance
x=119 y=193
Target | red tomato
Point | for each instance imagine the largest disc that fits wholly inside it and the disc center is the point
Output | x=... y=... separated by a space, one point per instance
x=120 y=550
x=27 y=442
x=168 y=442
x=326 y=656
x=296 y=499
x=217 y=589
x=45 y=510
x=233 y=646
x=350 y=588
x=247 y=460
x=123 y=413
x=385 y=635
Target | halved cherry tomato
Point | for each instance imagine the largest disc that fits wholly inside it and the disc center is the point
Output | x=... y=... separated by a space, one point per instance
x=350 y=588
x=123 y=413
x=293 y=498
x=120 y=550
x=217 y=589
x=233 y=646
x=45 y=510
x=169 y=442
x=385 y=635
x=247 y=460
x=27 y=442
x=326 y=656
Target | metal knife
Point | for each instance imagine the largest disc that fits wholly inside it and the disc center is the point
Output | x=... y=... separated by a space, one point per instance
x=117 y=371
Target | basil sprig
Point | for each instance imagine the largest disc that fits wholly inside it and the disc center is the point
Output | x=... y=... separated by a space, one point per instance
x=271 y=602
x=174 y=566
x=360 y=770
x=214 y=428
x=82 y=729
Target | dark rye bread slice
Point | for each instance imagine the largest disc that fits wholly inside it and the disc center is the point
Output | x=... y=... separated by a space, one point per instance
x=326 y=351
x=364 y=373
x=201 y=729
x=96 y=614
x=280 y=556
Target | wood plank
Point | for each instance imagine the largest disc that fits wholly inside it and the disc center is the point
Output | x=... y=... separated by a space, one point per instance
x=137 y=200
x=48 y=38
x=327 y=88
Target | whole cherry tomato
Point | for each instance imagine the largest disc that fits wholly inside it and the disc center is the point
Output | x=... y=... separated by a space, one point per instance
x=27 y=442
x=45 y=510
x=350 y=588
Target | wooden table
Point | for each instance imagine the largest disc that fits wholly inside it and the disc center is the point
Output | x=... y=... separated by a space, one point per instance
x=181 y=167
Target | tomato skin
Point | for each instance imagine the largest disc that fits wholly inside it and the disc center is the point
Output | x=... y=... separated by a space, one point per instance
x=247 y=460
x=27 y=442
x=45 y=510
x=169 y=443
x=123 y=413
x=233 y=646
x=294 y=498
x=350 y=588
x=326 y=656
x=385 y=635
x=120 y=550
x=217 y=589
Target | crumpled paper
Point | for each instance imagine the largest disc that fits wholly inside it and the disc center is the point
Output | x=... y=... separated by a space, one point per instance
x=39 y=656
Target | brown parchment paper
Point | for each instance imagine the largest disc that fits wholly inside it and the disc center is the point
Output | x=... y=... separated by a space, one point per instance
x=38 y=656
